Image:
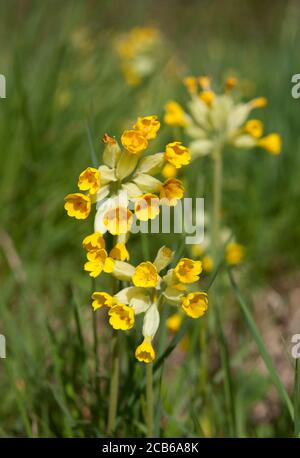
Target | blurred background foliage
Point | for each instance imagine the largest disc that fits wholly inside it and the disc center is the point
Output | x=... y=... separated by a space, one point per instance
x=64 y=91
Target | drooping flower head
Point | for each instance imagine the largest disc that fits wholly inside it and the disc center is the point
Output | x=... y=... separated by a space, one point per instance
x=271 y=143
x=147 y=207
x=145 y=275
x=98 y=262
x=148 y=125
x=187 y=270
x=195 y=304
x=121 y=317
x=93 y=241
x=174 y=114
x=134 y=141
x=101 y=299
x=177 y=154
x=78 y=205
x=171 y=191
x=145 y=352
x=118 y=220
x=254 y=127
x=89 y=180
x=119 y=252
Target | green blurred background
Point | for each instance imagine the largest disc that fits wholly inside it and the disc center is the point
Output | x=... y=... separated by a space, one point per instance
x=64 y=91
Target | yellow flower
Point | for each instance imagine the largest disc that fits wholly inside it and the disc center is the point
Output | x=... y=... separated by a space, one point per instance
x=177 y=154
x=98 y=261
x=89 y=180
x=121 y=317
x=118 y=220
x=147 y=207
x=204 y=82
x=197 y=250
x=169 y=171
x=78 y=205
x=230 y=83
x=145 y=275
x=207 y=97
x=259 y=102
x=101 y=299
x=234 y=253
x=195 y=304
x=174 y=115
x=190 y=83
x=136 y=42
x=187 y=270
x=271 y=143
x=119 y=252
x=134 y=141
x=174 y=322
x=145 y=352
x=171 y=190
x=94 y=241
x=254 y=127
x=148 y=126
x=207 y=264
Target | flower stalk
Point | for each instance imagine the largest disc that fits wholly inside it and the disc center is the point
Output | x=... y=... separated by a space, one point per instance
x=149 y=399
x=114 y=386
x=217 y=201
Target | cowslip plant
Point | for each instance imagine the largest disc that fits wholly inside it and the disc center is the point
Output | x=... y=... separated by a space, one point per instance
x=125 y=188
x=214 y=121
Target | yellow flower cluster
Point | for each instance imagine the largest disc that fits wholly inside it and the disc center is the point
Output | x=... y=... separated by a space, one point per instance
x=137 y=51
x=213 y=120
x=148 y=292
x=127 y=177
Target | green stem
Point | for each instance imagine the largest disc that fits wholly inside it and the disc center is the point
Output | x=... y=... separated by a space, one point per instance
x=115 y=370
x=149 y=396
x=217 y=202
x=95 y=348
x=204 y=360
x=215 y=247
x=114 y=386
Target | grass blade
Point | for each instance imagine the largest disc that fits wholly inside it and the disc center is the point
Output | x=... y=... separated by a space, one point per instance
x=297 y=400
x=228 y=382
x=261 y=346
